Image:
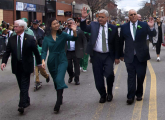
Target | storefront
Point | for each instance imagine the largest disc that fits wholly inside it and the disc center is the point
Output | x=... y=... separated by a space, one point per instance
x=11 y=10
x=28 y=11
x=63 y=11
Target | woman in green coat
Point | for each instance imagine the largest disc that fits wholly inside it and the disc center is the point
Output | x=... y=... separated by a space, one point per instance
x=57 y=63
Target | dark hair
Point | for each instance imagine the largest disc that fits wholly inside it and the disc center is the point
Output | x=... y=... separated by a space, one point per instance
x=4 y=25
x=48 y=26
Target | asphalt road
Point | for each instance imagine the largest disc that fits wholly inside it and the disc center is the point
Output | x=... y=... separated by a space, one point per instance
x=82 y=102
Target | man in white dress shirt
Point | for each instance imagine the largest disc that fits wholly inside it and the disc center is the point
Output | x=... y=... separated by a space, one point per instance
x=134 y=34
x=103 y=47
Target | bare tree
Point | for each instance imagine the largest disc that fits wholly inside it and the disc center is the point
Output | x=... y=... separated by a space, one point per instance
x=96 y=5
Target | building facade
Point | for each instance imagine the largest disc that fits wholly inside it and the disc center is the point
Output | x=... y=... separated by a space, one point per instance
x=11 y=10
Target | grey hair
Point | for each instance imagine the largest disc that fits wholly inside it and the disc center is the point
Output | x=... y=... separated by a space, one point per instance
x=105 y=12
x=21 y=23
x=131 y=10
x=70 y=19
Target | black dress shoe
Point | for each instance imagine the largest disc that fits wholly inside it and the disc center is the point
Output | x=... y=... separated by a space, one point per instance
x=130 y=101
x=77 y=83
x=76 y=80
x=70 y=80
x=102 y=100
x=109 y=98
x=21 y=110
x=48 y=79
x=139 y=98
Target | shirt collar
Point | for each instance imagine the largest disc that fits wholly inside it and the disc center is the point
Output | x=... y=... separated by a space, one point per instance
x=22 y=35
x=105 y=25
x=135 y=23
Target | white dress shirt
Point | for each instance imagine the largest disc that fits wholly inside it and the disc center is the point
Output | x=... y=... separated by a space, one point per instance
x=131 y=28
x=72 y=43
x=21 y=38
x=98 y=45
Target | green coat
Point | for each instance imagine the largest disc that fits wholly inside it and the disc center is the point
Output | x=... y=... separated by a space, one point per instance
x=27 y=31
x=57 y=61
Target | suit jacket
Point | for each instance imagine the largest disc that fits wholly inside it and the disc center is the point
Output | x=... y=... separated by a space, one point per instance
x=139 y=45
x=113 y=39
x=29 y=47
x=80 y=43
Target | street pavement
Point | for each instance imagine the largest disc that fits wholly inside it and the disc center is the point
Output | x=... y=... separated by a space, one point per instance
x=82 y=102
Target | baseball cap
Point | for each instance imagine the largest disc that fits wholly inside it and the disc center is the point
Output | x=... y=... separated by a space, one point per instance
x=35 y=22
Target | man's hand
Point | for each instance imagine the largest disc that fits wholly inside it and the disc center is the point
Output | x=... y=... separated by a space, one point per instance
x=122 y=59
x=117 y=61
x=151 y=22
x=84 y=13
x=3 y=65
x=74 y=27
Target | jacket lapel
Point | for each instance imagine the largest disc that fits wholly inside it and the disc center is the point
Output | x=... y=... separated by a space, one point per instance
x=15 y=43
x=24 y=42
x=97 y=33
x=109 y=32
x=137 y=31
x=129 y=30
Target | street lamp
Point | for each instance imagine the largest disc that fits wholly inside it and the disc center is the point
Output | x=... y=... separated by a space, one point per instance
x=73 y=3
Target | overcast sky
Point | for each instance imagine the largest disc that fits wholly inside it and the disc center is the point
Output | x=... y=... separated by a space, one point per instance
x=130 y=4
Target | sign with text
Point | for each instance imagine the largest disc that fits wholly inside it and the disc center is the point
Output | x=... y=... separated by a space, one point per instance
x=25 y=7
x=60 y=12
x=19 y=6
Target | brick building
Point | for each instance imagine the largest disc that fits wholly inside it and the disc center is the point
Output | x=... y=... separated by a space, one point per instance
x=16 y=9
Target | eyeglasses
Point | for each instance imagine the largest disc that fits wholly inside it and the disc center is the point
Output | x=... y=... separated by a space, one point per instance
x=132 y=14
x=69 y=23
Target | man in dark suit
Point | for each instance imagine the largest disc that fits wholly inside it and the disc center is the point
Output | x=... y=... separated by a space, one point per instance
x=103 y=47
x=21 y=47
x=134 y=33
x=74 y=52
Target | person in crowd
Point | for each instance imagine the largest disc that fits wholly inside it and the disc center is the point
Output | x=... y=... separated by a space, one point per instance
x=74 y=51
x=114 y=23
x=84 y=60
x=57 y=63
x=134 y=34
x=159 y=38
x=148 y=38
x=21 y=47
x=103 y=47
x=42 y=70
x=10 y=31
x=38 y=32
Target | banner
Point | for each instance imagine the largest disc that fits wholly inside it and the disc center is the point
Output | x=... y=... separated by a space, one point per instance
x=29 y=7
x=25 y=7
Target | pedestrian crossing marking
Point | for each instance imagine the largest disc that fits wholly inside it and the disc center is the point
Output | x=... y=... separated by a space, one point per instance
x=152 y=115
x=138 y=105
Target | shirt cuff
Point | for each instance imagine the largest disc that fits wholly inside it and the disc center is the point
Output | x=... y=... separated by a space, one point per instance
x=83 y=19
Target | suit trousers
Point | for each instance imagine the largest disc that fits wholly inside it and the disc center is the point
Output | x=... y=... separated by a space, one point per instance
x=102 y=65
x=135 y=69
x=23 y=80
x=72 y=59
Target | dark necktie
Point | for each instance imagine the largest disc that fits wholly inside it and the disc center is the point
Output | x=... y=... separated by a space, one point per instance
x=69 y=40
x=19 y=48
x=104 y=46
x=134 y=30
